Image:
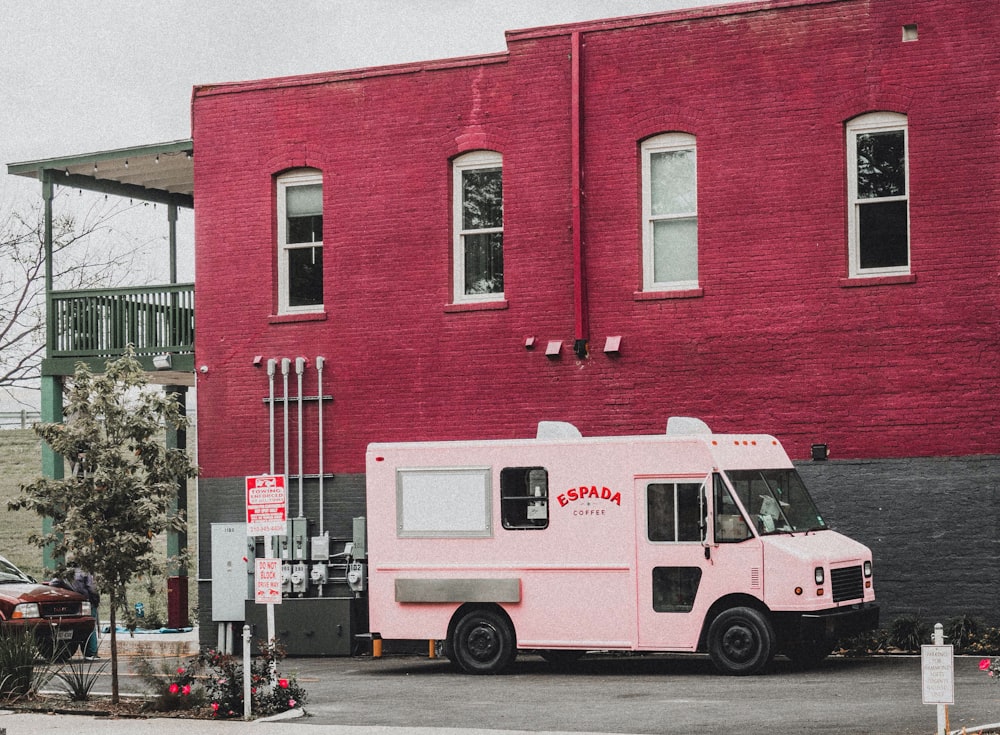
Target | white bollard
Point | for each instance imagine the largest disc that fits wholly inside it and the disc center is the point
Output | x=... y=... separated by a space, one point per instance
x=942 y=709
x=247 y=699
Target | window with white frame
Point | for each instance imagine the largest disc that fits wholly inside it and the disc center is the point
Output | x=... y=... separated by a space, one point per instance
x=300 y=241
x=669 y=213
x=478 y=226
x=878 y=195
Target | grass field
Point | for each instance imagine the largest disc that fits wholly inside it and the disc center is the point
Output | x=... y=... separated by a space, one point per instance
x=21 y=463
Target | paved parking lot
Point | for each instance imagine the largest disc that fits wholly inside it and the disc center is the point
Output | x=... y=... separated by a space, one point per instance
x=600 y=694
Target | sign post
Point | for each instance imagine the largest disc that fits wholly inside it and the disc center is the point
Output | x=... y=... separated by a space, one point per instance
x=266 y=516
x=937 y=670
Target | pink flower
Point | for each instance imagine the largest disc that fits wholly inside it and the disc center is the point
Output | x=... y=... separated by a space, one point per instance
x=173 y=689
x=984 y=664
x=215 y=706
x=291 y=702
x=180 y=669
x=186 y=689
x=283 y=683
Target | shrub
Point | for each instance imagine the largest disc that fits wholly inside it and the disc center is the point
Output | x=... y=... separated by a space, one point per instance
x=18 y=652
x=987 y=642
x=269 y=691
x=908 y=633
x=962 y=632
x=174 y=686
x=79 y=678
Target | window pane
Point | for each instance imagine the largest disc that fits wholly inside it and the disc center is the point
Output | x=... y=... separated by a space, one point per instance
x=673 y=185
x=308 y=228
x=689 y=509
x=881 y=165
x=483 y=263
x=675 y=588
x=482 y=199
x=304 y=200
x=660 y=512
x=675 y=250
x=305 y=276
x=883 y=235
x=524 y=497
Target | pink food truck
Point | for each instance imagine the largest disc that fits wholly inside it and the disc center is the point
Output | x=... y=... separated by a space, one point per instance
x=563 y=544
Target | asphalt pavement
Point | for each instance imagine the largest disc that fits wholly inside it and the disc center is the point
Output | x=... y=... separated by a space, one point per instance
x=599 y=695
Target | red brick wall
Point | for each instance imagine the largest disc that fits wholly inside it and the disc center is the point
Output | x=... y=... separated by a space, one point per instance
x=777 y=342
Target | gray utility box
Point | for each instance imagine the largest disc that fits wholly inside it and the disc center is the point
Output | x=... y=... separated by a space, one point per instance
x=308 y=626
x=232 y=586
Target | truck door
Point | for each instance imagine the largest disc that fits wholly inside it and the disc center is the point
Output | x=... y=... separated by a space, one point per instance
x=680 y=568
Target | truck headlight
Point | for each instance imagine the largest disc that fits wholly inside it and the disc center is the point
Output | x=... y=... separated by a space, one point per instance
x=25 y=610
x=868 y=569
x=818 y=575
x=86 y=609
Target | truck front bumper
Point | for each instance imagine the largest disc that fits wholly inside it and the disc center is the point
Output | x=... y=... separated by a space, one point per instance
x=839 y=622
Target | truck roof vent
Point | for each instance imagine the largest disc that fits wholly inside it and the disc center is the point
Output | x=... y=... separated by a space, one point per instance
x=557 y=430
x=686 y=426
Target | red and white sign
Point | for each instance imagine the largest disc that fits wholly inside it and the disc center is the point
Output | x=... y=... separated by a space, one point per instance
x=266 y=505
x=267 y=581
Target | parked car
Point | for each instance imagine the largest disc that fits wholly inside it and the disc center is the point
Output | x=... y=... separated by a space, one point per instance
x=61 y=619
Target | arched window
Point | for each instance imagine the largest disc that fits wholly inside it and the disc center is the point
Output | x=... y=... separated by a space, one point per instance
x=878 y=195
x=478 y=227
x=300 y=241
x=669 y=212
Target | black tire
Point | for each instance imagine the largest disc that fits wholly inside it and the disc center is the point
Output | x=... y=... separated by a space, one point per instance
x=741 y=641
x=483 y=642
x=561 y=658
x=808 y=654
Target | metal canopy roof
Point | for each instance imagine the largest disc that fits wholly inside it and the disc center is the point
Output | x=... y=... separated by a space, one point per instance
x=162 y=172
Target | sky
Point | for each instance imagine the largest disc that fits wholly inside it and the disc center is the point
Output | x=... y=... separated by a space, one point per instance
x=92 y=75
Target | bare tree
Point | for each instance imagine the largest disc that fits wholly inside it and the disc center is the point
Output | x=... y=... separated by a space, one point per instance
x=88 y=251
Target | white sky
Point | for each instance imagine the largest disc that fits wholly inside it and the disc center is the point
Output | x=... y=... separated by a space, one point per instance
x=87 y=75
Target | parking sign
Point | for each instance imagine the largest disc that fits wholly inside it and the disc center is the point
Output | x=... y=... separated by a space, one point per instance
x=266 y=505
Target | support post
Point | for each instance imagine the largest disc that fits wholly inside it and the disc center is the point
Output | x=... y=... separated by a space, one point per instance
x=177 y=541
x=52 y=463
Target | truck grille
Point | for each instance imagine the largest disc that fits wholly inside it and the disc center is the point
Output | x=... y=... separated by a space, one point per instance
x=60 y=609
x=847 y=584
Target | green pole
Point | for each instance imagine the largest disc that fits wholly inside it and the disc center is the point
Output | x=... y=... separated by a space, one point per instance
x=51 y=386
x=177 y=541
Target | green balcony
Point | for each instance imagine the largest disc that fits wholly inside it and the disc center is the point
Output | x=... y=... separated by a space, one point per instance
x=94 y=326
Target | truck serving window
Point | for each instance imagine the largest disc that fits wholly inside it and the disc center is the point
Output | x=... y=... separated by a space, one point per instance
x=777 y=500
x=524 y=497
x=675 y=511
x=443 y=502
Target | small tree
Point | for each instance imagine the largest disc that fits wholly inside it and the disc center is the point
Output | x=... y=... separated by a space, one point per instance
x=123 y=481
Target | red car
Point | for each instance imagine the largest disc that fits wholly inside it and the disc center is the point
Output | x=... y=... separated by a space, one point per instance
x=61 y=619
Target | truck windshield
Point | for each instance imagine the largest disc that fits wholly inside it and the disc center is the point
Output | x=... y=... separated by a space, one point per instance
x=777 y=500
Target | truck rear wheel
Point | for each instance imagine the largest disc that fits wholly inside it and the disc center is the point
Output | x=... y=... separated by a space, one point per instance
x=741 y=641
x=483 y=642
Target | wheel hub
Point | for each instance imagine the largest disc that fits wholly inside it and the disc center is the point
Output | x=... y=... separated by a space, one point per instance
x=738 y=643
x=484 y=641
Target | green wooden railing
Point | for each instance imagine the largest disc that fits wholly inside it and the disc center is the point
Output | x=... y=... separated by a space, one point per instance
x=101 y=323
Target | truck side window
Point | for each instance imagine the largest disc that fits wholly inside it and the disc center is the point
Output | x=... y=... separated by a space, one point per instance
x=524 y=497
x=730 y=527
x=675 y=511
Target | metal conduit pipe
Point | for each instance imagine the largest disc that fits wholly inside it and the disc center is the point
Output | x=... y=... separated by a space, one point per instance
x=271 y=365
x=319 y=393
x=300 y=368
x=285 y=365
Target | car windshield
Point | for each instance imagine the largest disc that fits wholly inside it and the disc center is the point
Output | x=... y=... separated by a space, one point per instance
x=10 y=573
x=777 y=500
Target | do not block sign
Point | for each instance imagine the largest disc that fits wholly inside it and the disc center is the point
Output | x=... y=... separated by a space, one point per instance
x=266 y=505
x=267 y=581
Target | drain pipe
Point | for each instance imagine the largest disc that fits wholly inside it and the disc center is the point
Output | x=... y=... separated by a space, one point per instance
x=271 y=365
x=582 y=328
x=319 y=392
x=300 y=367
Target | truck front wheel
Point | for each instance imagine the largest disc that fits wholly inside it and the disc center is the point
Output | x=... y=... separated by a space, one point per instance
x=483 y=642
x=741 y=641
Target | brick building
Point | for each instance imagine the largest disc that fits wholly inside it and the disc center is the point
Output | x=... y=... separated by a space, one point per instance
x=777 y=216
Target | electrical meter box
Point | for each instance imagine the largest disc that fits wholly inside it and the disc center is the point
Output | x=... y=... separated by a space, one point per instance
x=231 y=585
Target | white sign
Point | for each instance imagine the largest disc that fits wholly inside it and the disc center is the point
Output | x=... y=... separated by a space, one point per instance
x=267 y=581
x=937 y=669
x=266 y=505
